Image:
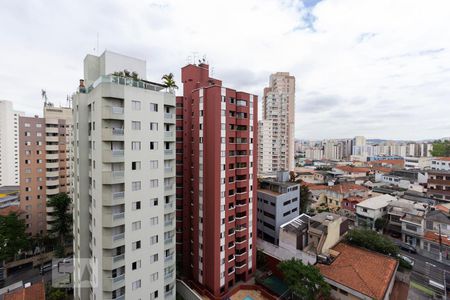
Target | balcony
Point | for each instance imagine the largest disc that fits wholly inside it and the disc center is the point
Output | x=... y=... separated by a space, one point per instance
x=168 y=294
x=52 y=138
x=117 y=240
x=113 y=283
x=52 y=174
x=169 y=136
x=168 y=277
x=51 y=192
x=168 y=207
x=113 y=112
x=52 y=182
x=52 y=129
x=114 y=262
x=169 y=154
x=169 y=117
x=168 y=259
x=168 y=172
x=113 y=177
x=51 y=147
x=112 y=156
x=113 y=220
x=113 y=198
x=112 y=134
x=168 y=189
x=52 y=165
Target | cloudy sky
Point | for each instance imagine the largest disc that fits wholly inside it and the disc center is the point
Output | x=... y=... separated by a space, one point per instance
x=379 y=68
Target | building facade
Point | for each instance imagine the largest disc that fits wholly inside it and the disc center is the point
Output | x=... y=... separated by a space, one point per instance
x=216 y=182
x=33 y=178
x=278 y=203
x=279 y=108
x=124 y=183
x=439 y=185
x=9 y=144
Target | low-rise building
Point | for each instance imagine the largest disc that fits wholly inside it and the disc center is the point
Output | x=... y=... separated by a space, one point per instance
x=332 y=196
x=353 y=172
x=440 y=163
x=278 y=203
x=371 y=209
x=406 y=219
x=325 y=230
x=439 y=185
x=357 y=273
x=294 y=234
x=36 y=291
x=413 y=162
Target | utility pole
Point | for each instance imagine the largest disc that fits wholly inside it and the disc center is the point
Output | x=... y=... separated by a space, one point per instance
x=440 y=244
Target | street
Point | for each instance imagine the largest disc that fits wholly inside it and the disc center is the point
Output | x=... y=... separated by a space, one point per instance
x=426 y=269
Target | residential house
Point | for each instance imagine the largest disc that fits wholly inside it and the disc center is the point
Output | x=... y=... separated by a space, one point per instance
x=371 y=209
x=353 y=172
x=436 y=238
x=334 y=195
x=440 y=163
x=325 y=230
x=357 y=273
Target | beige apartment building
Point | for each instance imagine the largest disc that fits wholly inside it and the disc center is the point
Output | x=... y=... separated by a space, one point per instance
x=276 y=129
x=32 y=188
x=124 y=183
x=45 y=163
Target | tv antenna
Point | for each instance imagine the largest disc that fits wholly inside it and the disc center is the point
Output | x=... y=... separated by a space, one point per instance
x=44 y=96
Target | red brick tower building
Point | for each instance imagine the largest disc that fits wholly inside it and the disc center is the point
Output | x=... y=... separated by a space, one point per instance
x=216 y=182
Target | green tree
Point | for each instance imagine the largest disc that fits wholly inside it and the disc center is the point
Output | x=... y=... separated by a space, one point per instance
x=304 y=198
x=169 y=81
x=13 y=238
x=56 y=294
x=380 y=224
x=371 y=240
x=61 y=223
x=441 y=149
x=305 y=281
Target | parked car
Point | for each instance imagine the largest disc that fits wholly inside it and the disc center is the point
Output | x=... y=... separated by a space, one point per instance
x=47 y=268
x=407 y=259
x=405 y=247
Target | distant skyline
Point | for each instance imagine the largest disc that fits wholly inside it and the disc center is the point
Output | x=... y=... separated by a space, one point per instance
x=378 y=68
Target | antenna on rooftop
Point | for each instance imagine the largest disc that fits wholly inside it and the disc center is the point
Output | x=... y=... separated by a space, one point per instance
x=194 y=54
x=44 y=96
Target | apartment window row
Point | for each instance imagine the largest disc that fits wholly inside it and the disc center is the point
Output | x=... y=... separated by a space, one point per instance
x=136 y=146
x=137 y=105
x=137 y=185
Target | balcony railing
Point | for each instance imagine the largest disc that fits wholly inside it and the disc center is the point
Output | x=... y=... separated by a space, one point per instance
x=118 y=195
x=168 y=151
x=168 y=258
x=118 y=258
x=118 y=216
x=118 y=278
x=168 y=115
x=168 y=134
x=118 y=237
x=117 y=152
x=117 y=131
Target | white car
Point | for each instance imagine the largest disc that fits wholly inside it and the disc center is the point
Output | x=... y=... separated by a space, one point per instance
x=407 y=259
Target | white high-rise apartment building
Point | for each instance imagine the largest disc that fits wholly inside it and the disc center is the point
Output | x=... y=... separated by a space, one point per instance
x=278 y=114
x=124 y=183
x=9 y=144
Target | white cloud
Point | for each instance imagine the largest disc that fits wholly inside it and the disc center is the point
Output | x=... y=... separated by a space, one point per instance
x=379 y=68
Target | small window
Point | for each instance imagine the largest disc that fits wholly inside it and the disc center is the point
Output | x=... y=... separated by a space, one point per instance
x=136 y=205
x=136 y=105
x=135 y=146
x=136 y=125
x=136 y=265
x=136 y=165
x=153 y=145
x=153 y=126
x=136 y=285
x=153 y=107
x=136 y=245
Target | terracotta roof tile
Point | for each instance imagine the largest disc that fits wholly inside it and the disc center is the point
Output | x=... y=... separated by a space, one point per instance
x=361 y=270
x=434 y=237
x=351 y=169
x=443 y=158
x=34 y=292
